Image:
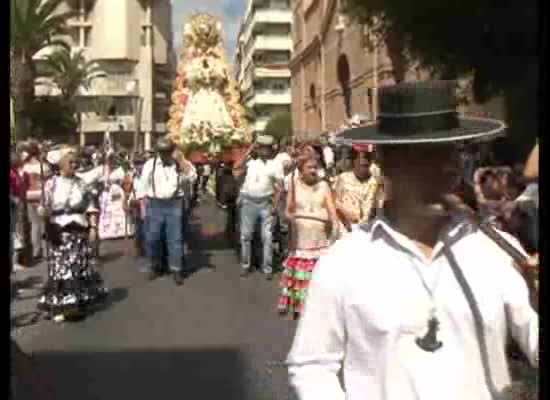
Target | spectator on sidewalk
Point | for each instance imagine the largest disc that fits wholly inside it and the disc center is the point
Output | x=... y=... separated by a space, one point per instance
x=38 y=172
x=18 y=189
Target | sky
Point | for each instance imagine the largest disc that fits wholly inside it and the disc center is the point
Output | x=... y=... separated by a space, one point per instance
x=229 y=11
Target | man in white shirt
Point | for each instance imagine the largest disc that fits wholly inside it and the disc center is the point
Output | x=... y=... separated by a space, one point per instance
x=328 y=154
x=162 y=185
x=38 y=173
x=387 y=303
x=258 y=200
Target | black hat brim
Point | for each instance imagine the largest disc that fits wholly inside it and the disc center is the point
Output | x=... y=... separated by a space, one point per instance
x=470 y=129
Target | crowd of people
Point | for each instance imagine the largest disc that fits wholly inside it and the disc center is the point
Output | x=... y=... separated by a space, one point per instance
x=323 y=207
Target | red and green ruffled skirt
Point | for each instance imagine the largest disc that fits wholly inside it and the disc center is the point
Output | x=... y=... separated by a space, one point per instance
x=294 y=283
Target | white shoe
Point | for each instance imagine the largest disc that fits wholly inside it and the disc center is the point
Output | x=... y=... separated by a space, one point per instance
x=18 y=267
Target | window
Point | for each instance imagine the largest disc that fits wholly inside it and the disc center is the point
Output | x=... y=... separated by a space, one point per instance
x=143 y=36
x=75 y=37
x=312 y=95
x=87 y=37
x=344 y=75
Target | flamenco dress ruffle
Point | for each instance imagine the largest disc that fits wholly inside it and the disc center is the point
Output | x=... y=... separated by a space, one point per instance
x=73 y=287
x=294 y=283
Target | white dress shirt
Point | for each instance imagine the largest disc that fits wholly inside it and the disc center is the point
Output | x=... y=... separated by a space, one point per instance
x=367 y=304
x=283 y=158
x=168 y=182
x=33 y=168
x=261 y=177
x=328 y=156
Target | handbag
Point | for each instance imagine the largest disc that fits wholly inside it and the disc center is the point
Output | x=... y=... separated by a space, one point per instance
x=524 y=386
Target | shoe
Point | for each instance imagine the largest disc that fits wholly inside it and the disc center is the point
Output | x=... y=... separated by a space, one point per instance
x=245 y=272
x=178 y=278
x=152 y=275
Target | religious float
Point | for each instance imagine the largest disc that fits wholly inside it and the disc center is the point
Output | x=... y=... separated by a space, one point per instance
x=206 y=120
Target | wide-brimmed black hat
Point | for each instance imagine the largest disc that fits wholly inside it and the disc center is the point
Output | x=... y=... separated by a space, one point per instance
x=164 y=145
x=421 y=112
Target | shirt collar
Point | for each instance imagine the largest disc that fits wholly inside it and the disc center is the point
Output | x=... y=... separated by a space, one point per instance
x=380 y=229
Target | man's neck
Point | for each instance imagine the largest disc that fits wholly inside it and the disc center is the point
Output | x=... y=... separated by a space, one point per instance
x=359 y=178
x=418 y=223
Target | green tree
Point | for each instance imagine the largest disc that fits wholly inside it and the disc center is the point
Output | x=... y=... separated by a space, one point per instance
x=495 y=42
x=52 y=117
x=249 y=114
x=279 y=126
x=34 y=25
x=70 y=71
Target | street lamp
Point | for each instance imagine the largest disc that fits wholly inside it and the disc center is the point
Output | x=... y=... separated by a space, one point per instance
x=132 y=87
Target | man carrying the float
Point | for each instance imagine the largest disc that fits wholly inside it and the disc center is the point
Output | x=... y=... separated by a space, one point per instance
x=162 y=184
x=259 y=199
x=416 y=305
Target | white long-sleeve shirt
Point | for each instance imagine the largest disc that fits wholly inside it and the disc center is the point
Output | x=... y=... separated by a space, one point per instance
x=367 y=304
x=168 y=182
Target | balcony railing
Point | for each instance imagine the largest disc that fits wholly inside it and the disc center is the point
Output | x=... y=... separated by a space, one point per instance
x=271 y=96
x=272 y=72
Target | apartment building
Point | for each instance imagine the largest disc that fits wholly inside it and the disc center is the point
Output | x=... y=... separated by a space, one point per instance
x=131 y=40
x=261 y=65
x=336 y=68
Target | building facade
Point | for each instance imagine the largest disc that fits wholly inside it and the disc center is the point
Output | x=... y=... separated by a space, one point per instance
x=261 y=65
x=131 y=41
x=336 y=68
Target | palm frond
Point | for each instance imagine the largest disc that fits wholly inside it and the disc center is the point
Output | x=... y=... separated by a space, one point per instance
x=71 y=71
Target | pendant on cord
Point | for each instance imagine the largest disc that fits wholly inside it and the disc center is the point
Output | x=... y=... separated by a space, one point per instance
x=430 y=342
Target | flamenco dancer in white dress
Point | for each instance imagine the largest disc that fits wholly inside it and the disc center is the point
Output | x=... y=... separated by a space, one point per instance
x=113 y=220
x=73 y=286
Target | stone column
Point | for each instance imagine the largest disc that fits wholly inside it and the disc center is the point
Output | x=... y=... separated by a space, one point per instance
x=146 y=69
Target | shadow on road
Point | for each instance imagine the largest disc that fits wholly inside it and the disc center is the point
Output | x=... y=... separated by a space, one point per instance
x=30 y=282
x=150 y=374
x=25 y=319
x=112 y=256
x=115 y=296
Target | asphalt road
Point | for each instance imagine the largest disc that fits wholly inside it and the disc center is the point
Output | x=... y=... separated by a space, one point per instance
x=216 y=337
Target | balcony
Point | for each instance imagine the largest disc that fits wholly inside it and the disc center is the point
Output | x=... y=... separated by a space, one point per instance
x=260 y=124
x=281 y=71
x=270 y=96
x=265 y=42
x=264 y=17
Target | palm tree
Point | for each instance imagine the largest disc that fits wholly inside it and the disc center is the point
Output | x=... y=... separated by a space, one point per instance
x=34 y=24
x=70 y=72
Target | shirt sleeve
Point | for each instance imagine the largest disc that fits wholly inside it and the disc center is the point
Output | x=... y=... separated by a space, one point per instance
x=277 y=171
x=144 y=180
x=192 y=176
x=523 y=320
x=319 y=343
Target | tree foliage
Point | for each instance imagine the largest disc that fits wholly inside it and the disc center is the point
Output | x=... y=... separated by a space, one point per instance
x=71 y=72
x=496 y=40
x=279 y=126
x=52 y=117
x=34 y=25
